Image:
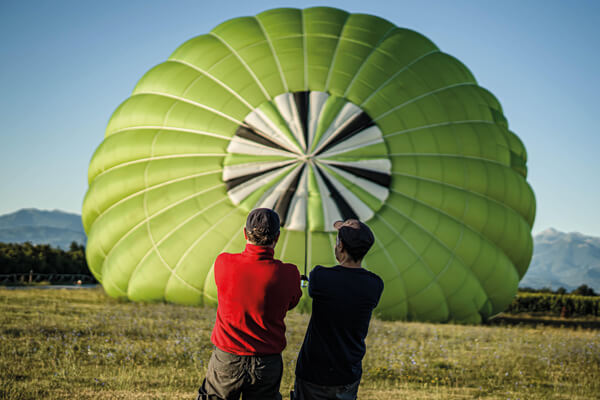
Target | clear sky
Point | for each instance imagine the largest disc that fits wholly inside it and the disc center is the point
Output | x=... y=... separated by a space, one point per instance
x=66 y=65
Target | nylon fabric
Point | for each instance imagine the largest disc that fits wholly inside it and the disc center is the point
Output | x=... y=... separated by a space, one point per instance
x=446 y=192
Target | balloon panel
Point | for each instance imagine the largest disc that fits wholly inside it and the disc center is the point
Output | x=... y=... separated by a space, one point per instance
x=321 y=115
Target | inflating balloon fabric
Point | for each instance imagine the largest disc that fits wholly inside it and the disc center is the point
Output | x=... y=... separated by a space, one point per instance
x=321 y=115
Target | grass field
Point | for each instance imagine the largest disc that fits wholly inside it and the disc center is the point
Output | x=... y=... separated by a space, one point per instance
x=76 y=344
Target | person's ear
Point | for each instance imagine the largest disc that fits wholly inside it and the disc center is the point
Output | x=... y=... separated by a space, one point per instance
x=245 y=234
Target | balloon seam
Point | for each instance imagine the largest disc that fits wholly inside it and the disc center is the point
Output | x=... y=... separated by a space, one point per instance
x=163 y=262
x=275 y=56
x=216 y=80
x=108 y=279
x=150 y=188
x=418 y=128
x=337 y=45
x=452 y=252
x=235 y=53
x=351 y=197
x=190 y=102
x=212 y=268
x=304 y=51
x=484 y=239
x=193 y=245
x=425 y=264
x=165 y=157
x=332 y=152
x=366 y=59
x=421 y=96
x=141 y=223
x=285 y=242
x=398 y=273
x=456 y=219
x=484 y=160
x=398 y=72
x=171 y=128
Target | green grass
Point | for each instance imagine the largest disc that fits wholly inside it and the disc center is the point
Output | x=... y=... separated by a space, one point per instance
x=81 y=344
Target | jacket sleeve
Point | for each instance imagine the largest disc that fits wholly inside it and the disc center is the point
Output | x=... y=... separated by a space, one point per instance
x=296 y=290
x=313 y=285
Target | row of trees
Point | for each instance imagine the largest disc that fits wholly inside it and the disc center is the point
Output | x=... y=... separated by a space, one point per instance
x=555 y=304
x=582 y=290
x=23 y=258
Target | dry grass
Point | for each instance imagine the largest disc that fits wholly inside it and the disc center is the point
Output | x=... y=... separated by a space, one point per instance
x=58 y=344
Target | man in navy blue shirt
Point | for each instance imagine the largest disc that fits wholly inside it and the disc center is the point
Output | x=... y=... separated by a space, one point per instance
x=330 y=361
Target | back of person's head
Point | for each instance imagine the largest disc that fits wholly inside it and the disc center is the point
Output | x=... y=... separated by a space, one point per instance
x=356 y=237
x=262 y=226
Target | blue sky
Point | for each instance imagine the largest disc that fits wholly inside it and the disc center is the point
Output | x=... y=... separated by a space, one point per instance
x=66 y=65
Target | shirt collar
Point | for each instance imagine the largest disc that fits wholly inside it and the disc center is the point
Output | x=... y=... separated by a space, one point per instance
x=263 y=252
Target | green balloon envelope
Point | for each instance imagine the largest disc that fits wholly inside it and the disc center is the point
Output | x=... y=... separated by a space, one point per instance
x=321 y=115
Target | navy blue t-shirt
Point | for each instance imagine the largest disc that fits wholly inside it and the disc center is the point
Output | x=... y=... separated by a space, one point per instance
x=334 y=345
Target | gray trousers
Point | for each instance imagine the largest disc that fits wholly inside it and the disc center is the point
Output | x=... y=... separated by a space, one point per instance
x=230 y=376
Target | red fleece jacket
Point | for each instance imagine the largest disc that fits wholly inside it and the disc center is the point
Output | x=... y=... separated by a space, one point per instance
x=255 y=291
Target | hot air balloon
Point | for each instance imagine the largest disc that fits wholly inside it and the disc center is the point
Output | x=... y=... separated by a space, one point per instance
x=322 y=115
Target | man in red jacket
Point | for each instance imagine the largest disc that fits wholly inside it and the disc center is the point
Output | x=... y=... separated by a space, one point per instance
x=255 y=291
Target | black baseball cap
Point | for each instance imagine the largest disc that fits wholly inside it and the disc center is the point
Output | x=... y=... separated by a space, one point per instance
x=355 y=234
x=263 y=219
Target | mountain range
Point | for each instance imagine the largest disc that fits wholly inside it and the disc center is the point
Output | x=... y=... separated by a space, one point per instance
x=563 y=259
x=55 y=227
x=559 y=259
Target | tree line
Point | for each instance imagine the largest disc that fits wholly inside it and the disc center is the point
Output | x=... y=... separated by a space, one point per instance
x=581 y=290
x=25 y=258
x=564 y=305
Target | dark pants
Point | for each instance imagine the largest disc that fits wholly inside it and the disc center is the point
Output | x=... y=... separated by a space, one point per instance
x=304 y=390
x=253 y=377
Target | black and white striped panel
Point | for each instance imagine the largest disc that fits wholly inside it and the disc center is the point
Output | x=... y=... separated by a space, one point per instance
x=300 y=156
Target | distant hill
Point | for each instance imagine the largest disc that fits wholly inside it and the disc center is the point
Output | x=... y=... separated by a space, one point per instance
x=564 y=259
x=56 y=228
